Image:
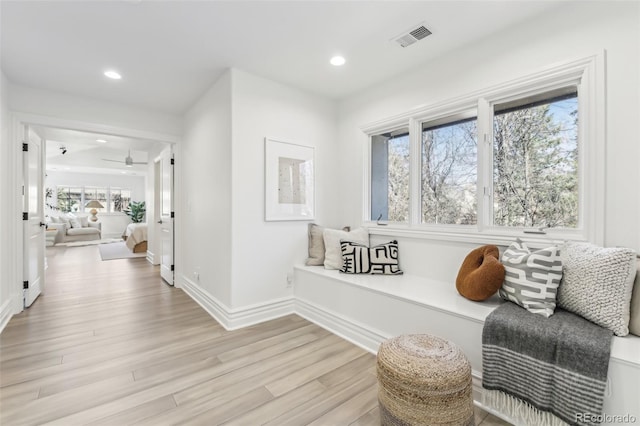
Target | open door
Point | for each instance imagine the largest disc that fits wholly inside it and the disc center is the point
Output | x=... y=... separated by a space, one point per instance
x=166 y=215
x=33 y=215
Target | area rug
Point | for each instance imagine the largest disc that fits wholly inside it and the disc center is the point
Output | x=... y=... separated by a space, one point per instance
x=117 y=251
x=91 y=242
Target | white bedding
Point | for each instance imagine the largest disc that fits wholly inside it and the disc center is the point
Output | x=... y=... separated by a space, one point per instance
x=136 y=233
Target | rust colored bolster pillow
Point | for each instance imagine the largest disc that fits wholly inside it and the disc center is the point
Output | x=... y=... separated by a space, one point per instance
x=481 y=274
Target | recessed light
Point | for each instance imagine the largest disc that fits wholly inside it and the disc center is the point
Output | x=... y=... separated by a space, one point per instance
x=337 y=61
x=101 y=141
x=113 y=75
x=124 y=173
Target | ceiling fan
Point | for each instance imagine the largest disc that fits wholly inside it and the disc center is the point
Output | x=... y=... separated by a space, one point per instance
x=128 y=161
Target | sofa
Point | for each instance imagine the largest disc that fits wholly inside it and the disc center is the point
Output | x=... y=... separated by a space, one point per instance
x=71 y=228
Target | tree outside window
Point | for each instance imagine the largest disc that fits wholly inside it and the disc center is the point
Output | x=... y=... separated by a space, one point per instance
x=535 y=163
x=449 y=173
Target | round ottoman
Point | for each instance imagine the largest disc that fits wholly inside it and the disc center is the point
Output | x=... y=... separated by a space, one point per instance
x=423 y=380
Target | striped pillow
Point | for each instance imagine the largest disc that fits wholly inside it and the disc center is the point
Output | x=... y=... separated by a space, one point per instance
x=360 y=259
x=532 y=278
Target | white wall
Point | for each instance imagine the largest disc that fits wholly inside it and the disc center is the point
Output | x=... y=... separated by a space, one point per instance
x=578 y=29
x=7 y=224
x=76 y=108
x=113 y=224
x=264 y=252
x=205 y=175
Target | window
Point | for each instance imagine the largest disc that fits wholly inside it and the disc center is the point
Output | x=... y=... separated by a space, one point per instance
x=449 y=172
x=74 y=198
x=390 y=176
x=120 y=199
x=70 y=199
x=524 y=157
x=535 y=161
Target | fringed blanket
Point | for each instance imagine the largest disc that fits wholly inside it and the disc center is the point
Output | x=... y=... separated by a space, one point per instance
x=557 y=364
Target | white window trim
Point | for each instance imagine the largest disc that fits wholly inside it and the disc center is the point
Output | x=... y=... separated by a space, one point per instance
x=588 y=74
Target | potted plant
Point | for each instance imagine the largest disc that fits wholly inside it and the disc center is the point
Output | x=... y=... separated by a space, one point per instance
x=136 y=211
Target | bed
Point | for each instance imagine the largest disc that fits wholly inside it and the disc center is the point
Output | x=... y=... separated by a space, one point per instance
x=135 y=237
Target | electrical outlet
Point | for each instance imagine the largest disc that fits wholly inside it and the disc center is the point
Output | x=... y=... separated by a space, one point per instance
x=289 y=280
x=196 y=276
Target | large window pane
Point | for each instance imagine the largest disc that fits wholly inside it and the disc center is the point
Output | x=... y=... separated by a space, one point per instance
x=69 y=198
x=535 y=161
x=449 y=172
x=120 y=199
x=390 y=176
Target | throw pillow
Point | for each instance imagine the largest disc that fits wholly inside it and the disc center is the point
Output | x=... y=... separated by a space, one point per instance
x=75 y=222
x=597 y=284
x=332 y=238
x=481 y=274
x=531 y=278
x=316 y=244
x=84 y=221
x=359 y=259
x=634 y=321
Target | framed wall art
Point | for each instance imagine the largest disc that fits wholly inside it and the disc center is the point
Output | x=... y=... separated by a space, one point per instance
x=289 y=181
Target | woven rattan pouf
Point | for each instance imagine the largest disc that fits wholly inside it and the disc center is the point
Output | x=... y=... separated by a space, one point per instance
x=423 y=380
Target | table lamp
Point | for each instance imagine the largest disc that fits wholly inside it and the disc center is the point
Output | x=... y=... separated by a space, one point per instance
x=94 y=204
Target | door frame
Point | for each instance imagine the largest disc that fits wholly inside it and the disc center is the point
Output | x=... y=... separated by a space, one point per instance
x=16 y=233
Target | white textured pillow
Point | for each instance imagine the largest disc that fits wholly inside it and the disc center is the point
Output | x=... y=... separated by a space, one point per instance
x=84 y=221
x=333 y=252
x=597 y=284
x=634 y=321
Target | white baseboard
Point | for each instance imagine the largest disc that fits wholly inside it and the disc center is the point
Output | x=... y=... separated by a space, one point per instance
x=151 y=258
x=235 y=318
x=7 y=310
x=358 y=334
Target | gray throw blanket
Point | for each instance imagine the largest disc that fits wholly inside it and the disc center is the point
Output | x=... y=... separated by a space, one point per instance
x=557 y=364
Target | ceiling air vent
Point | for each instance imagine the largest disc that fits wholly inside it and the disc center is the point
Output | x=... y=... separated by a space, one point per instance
x=411 y=36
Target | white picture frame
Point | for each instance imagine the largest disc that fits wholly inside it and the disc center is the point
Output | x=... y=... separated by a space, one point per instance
x=289 y=189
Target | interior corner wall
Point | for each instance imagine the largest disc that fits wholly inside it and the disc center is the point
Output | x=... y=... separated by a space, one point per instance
x=265 y=252
x=206 y=192
x=572 y=31
x=7 y=290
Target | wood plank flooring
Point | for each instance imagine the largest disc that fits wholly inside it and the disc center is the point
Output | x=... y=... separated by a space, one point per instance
x=110 y=344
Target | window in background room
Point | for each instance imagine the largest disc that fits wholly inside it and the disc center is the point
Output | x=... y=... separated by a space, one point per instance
x=535 y=161
x=390 y=176
x=120 y=199
x=69 y=199
x=449 y=171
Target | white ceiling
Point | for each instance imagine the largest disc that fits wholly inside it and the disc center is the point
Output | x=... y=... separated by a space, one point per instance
x=169 y=52
x=85 y=155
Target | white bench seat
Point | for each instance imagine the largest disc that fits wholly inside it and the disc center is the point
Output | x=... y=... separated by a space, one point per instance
x=367 y=309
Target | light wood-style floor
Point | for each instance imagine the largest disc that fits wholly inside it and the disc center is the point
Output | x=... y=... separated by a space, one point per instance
x=109 y=343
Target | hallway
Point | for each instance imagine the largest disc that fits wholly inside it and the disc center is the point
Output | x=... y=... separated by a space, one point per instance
x=110 y=343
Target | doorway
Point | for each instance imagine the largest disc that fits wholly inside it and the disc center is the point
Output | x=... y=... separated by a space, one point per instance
x=49 y=132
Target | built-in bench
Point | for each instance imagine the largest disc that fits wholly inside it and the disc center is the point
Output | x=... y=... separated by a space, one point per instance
x=367 y=309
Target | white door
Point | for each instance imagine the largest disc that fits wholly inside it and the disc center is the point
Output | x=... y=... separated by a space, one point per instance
x=166 y=215
x=33 y=215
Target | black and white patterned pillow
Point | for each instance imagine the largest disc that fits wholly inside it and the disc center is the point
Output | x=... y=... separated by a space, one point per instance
x=360 y=259
x=532 y=278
